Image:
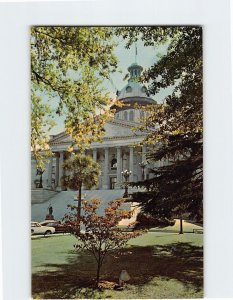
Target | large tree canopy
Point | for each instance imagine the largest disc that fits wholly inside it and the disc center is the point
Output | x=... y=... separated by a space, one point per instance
x=175 y=126
x=68 y=65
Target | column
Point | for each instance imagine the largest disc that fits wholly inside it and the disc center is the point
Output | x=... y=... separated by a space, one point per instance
x=61 y=173
x=50 y=166
x=119 y=163
x=144 y=160
x=131 y=163
x=94 y=154
x=57 y=171
x=106 y=162
x=124 y=161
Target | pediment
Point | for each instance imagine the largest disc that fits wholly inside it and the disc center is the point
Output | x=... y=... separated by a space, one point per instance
x=113 y=129
x=62 y=137
x=119 y=128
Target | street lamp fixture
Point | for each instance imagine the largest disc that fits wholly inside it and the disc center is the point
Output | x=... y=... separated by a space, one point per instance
x=143 y=165
x=126 y=175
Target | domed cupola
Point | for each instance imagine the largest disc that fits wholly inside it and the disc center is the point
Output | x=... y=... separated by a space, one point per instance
x=135 y=71
x=134 y=91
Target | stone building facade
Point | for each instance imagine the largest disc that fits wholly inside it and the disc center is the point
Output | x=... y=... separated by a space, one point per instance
x=118 y=150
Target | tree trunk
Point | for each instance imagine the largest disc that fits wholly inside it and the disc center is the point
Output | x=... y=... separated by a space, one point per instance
x=79 y=202
x=181 y=225
x=79 y=205
x=98 y=274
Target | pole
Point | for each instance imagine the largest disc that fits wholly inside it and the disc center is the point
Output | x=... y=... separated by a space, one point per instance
x=79 y=206
x=181 y=225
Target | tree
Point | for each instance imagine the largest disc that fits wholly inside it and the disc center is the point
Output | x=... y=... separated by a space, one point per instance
x=80 y=170
x=102 y=234
x=39 y=125
x=175 y=126
x=68 y=65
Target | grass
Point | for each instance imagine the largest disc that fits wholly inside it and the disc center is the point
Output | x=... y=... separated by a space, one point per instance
x=161 y=265
x=187 y=227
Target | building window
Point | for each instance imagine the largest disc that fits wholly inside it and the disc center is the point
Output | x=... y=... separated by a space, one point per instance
x=125 y=115
x=128 y=89
x=113 y=181
x=131 y=115
x=142 y=114
x=144 y=90
x=114 y=163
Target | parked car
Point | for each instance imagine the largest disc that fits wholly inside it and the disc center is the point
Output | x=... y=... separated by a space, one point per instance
x=59 y=227
x=37 y=228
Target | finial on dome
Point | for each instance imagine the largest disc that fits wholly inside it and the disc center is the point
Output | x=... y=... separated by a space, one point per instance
x=136 y=52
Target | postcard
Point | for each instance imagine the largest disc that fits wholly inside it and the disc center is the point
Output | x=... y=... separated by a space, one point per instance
x=117 y=162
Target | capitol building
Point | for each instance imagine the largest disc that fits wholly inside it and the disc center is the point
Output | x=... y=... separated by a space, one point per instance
x=119 y=149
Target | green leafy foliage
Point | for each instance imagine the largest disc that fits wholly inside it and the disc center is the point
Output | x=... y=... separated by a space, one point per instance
x=146 y=220
x=39 y=139
x=175 y=126
x=68 y=65
x=80 y=170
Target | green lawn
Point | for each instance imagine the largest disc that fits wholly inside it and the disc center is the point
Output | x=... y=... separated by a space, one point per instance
x=161 y=265
x=187 y=227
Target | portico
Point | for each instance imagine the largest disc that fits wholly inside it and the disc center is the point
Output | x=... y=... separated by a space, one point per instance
x=119 y=149
x=112 y=160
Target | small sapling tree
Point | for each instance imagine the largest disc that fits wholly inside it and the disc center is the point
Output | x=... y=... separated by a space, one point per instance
x=80 y=170
x=102 y=233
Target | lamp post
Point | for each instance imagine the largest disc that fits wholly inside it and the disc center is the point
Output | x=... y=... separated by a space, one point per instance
x=143 y=165
x=126 y=175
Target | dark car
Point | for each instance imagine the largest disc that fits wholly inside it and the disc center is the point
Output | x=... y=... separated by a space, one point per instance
x=59 y=227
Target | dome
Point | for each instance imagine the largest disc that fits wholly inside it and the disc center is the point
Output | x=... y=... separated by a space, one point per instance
x=134 y=91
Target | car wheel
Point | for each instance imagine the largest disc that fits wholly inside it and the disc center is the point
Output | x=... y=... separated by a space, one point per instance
x=48 y=232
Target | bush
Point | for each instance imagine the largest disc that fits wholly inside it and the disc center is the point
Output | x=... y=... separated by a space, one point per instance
x=146 y=220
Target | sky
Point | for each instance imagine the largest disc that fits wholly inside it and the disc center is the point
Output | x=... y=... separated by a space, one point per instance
x=146 y=57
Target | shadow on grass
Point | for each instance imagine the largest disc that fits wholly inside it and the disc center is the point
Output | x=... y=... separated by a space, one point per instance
x=180 y=261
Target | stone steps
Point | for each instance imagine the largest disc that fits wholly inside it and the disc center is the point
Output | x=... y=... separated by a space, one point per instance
x=41 y=195
x=60 y=201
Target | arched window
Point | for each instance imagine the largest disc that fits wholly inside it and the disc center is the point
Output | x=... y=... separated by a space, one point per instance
x=142 y=114
x=131 y=115
x=125 y=115
x=114 y=163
